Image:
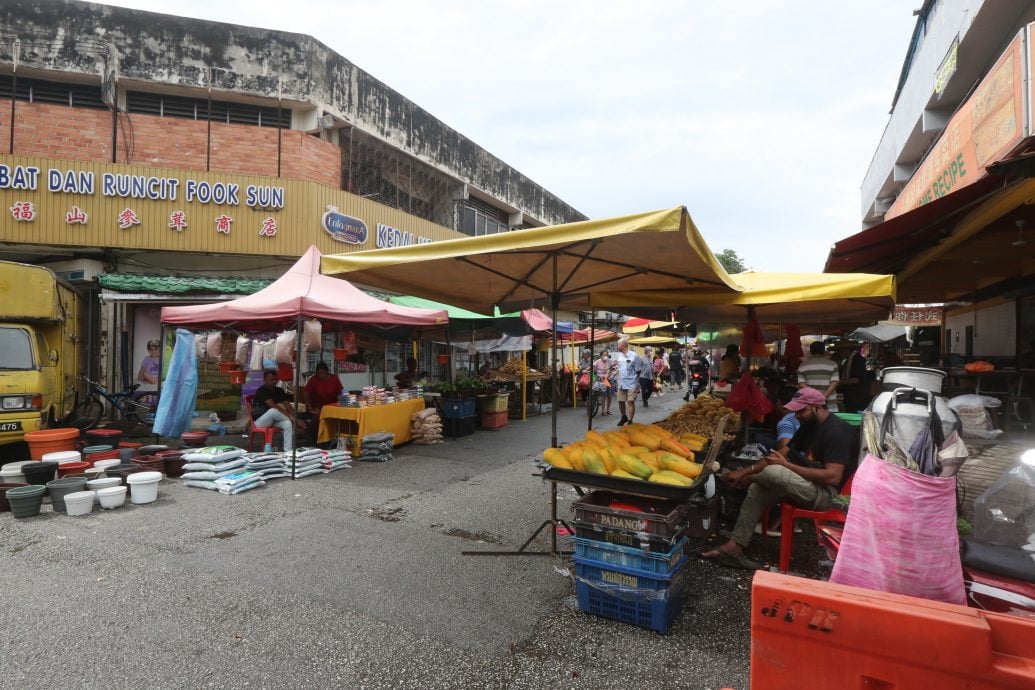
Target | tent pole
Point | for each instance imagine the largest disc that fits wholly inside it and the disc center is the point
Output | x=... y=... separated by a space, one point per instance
x=524 y=385
x=555 y=298
x=574 y=377
x=592 y=369
x=299 y=356
x=449 y=351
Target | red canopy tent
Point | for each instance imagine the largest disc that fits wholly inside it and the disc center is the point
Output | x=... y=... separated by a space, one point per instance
x=302 y=293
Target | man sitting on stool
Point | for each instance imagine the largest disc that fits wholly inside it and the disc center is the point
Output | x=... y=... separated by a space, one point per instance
x=827 y=450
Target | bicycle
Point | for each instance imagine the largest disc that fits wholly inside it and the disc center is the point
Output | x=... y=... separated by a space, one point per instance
x=138 y=409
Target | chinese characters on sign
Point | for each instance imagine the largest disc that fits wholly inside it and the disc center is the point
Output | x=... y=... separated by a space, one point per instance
x=223 y=224
x=178 y=220
x=76 y=215
x=23 y=211
x=269 y=228
x=916 y=316
x=128 y=218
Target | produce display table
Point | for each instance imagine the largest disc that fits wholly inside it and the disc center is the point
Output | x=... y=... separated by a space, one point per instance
x=392 y=418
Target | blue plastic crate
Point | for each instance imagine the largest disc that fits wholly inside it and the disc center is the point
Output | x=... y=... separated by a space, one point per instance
x=458 y=409
x=661 y=563
x=620 y=576
x=652 y=609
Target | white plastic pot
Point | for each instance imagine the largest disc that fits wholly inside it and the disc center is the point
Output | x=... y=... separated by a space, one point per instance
x=103 y=464
x=96 y=485
x=111 y=497
x=12 y=472
x=79 y=503
x=143 y=486
x=61 y=456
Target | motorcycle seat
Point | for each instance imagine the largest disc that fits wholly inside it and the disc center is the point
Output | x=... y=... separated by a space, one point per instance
x=1005 y=561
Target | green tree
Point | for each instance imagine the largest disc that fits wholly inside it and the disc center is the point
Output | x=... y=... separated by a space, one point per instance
x=731 y=261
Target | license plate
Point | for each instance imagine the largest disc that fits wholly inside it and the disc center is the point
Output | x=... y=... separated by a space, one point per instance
x=10 y=426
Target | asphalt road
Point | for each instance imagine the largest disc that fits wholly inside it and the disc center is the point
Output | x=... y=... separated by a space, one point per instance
x=354 y=579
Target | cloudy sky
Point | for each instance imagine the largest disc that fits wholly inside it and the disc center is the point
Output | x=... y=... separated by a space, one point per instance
x=760 y=116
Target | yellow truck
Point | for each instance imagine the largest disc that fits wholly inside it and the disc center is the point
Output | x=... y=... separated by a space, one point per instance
x=41 y=350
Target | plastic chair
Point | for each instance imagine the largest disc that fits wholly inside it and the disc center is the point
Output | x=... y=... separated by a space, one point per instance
x=790 y=512
x=267 y=432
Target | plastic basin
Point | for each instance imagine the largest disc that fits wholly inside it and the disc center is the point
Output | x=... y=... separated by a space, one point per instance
x=109 y=436
x=72 y=467
x=105 y=464
x=143 y=487
x=79 y=503
x=151 y=449
x=63 y=456
x=96 y=485
x=11 y=473
x=25 y=501
x=59 y=488
x=111 y=497
x=4 y=505
x=50 y=440
x=39 y=472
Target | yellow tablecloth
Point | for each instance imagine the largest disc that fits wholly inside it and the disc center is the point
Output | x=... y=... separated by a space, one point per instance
x=393 y=418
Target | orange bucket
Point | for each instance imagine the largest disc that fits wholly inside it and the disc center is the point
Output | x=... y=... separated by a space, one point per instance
x=50 y=441
x=227 y=367
x=237 y=377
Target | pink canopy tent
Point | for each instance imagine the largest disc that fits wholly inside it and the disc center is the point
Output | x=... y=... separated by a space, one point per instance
x=302 y=293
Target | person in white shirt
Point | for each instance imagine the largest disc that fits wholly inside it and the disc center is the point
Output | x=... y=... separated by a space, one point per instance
x=820 y=372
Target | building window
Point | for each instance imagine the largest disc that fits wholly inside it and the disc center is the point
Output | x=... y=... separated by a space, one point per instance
x=201 y=109
x=41 y=91
x=479 y=218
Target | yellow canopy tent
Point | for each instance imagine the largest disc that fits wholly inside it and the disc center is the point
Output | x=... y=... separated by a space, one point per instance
x=653 y=340
x=560 y=265
x=807 y=299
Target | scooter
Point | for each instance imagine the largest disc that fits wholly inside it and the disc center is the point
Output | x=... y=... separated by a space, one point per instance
x=995 y=578
x=697 y=382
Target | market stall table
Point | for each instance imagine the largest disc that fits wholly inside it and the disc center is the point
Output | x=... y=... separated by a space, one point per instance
x=392 y=418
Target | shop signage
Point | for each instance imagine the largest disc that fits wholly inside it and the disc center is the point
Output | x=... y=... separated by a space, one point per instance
x=387 y=236
x=916 y=316
x=982 y=130
x=343 y=228
x=948 y=68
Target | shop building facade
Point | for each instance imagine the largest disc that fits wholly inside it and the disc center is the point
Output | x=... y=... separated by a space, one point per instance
x=145 y=145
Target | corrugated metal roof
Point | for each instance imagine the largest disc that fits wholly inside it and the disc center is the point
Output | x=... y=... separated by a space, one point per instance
x=145 y=282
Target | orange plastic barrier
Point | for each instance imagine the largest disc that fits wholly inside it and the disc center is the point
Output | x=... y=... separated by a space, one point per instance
x=809 y=634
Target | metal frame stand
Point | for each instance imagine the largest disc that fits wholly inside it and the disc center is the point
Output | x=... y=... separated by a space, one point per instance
x=551 y=523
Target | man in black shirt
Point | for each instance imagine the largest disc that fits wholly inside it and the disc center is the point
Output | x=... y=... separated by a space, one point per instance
x=822 y=457
x=269 y=409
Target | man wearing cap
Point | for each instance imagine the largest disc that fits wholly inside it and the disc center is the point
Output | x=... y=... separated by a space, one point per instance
x=809 y=473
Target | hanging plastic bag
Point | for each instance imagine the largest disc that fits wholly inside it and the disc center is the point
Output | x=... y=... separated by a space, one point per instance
x=242 y=352
x=285 y=348
x=747 y=397
x=900 y=536
x=269 y=354
x=312 y=335
x=201 y=346
x=1003 y=514
x=255 y=360
x=214 y=346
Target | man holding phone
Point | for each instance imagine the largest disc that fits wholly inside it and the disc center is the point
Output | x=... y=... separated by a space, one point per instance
x=810 y=473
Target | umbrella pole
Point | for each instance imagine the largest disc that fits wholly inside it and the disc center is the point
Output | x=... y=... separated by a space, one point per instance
x=592 y=369
x=299 y=356
x=449 y=351
x=574 y=376
x=524 y=385
x=555 y=298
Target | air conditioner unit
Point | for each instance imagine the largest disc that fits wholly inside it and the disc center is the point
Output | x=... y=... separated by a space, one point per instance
x=75 y=270
x=326 y=121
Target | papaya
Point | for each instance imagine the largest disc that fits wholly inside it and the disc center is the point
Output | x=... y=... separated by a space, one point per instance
x=652 y=460
x=623 y=474
x=636 y=450
x=617 y=438
x=556 y=458
x=633 y=465
x=668 y=477
x=674 y=446
x=690 y=436
x=594 y=464
x=658 y=431
x=596 y=437
x=642 y=438
x=607 y=456
x=574 y=454
x=675 y=463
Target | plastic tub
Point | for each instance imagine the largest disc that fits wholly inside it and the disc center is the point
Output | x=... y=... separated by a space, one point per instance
x=72 y=467
x=25 y=501
x=93 y=473
x=123 y=471
x=63 y=456
x=143 y=486
x=151 y=449
x=108 y=436
x=172 y=463
x=39 y=472
x=79 y=503
x=131 y=444
x=111 y=497
x=96 y=485
x=4 y=505
x=105 y=464
x=59 y=488
x=194 y=439
x=50 y=441
x=11 y=473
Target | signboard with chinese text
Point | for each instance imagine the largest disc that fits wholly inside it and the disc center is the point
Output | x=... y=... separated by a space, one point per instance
x=916 y=316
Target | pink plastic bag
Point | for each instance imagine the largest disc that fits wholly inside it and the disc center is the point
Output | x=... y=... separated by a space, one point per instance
x=900 y=535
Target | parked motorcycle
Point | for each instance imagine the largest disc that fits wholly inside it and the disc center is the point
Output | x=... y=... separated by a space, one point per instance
x=698 y=380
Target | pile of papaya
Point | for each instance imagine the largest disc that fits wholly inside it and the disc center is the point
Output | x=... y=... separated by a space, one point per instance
x=635 y=451
x=700 y=416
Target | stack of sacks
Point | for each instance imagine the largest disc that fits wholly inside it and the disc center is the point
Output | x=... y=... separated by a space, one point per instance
x=335 y=460
x=205 y=465
x=237 y=482
x=426 y=427
x=269 y=465
x=376 y=448
x=308 y=461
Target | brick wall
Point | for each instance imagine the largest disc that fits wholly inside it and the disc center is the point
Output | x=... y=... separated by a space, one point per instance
x=55 y=131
